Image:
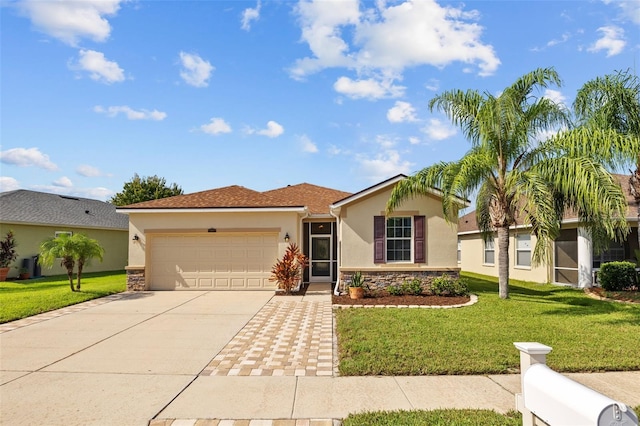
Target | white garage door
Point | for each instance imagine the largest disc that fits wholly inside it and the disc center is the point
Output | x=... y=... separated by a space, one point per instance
x=213 y=262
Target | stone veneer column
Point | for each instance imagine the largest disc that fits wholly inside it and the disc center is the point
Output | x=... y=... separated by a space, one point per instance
x=136 y=278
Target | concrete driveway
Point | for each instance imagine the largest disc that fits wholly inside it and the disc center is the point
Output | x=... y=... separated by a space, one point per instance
x=120 y=362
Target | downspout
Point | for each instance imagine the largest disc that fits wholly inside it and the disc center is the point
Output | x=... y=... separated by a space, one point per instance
x=301 y=233
x=336 y=290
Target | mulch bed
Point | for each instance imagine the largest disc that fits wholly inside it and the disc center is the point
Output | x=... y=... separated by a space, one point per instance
x=621 y=296
x=384 y=298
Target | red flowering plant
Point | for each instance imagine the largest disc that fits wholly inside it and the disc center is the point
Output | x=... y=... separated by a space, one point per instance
x=287 y=272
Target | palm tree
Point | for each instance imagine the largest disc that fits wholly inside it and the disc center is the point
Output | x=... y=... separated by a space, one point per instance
x=86 y=250
x=519 y=179
x=63 y=248
x=614 y=101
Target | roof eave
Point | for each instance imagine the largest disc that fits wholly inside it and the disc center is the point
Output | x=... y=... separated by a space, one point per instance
x=297 y=209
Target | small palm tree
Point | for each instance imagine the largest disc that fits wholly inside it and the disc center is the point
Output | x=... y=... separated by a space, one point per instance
x=63 y=248
x=519 y=179
x=86 y=250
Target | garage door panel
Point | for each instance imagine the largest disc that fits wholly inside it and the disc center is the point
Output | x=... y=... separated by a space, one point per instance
x=224 y=262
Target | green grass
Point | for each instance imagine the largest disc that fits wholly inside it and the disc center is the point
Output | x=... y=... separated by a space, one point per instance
x=586 y=334
x=434 y=418
x=20 y=299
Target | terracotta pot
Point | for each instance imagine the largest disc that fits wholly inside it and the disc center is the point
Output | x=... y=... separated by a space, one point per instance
x=24 y=276
x=356 y=292
x=3 y=273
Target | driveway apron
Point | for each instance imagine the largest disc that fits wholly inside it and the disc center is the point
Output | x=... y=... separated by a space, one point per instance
x=119 y=362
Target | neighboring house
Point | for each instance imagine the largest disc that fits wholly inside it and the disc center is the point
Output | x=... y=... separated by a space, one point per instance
x=35 y=216
x=229 y=238
x=573 y=261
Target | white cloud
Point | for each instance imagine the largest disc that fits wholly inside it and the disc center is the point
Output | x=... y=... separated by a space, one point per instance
x=335 y=150
x=216 y=126
x=63 y=182
x=367 y=88
x=437 y=130
x=556 y=96
x=131 y=114
x=27 y=157
x=88 y=171
x=195 y=70
x=389 y=37
x=8 y=184
x=383 y=166
x=249 y=15
x=273 y=130
x=612 y=41
x=386 y=141
x=432 y=85
x=413 y=140
x=98 y=67
x=69 y=21
x=307 y=144
x=98 y=193
x=630 y=9
x=401 y=112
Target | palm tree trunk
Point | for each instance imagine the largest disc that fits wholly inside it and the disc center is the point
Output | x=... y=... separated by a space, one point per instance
x=503 y=261
x=69 y=263
x=80 y=266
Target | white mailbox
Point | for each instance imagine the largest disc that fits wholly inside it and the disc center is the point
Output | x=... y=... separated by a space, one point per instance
x=558 y=400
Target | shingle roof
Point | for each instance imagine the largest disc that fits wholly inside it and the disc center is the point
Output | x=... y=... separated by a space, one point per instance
x=468 y=223
x=31 y=207
x=316 y=198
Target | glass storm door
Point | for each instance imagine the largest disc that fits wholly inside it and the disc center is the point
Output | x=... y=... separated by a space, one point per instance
x=320 y=258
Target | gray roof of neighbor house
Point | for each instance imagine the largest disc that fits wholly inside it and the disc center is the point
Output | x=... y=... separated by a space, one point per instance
x=41 y=208
x=468 y=223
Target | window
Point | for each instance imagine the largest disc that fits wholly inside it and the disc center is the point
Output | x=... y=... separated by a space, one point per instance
x=56 y=234
x=489 y=252
x=615 y=253
x=398 y=239
x=459 y=250
x=523 y=250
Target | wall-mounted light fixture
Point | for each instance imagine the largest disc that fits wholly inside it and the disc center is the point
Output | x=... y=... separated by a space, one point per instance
x=135 y=237
x=286 y=237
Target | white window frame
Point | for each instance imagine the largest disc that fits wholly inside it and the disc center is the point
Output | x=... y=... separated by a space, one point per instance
x=410 y=239
x=459 y=250
x=520 y=249
x=56 y=234
x=489 y=246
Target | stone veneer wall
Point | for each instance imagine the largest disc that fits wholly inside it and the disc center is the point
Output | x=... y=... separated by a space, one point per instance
x=380 y=280
x=135 y=279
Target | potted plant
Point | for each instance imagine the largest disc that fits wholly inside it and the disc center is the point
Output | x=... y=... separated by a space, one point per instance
x=7 y=254
x=356 y=286
x=24 y=274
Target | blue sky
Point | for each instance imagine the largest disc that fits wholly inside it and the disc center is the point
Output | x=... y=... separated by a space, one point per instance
x=268 y=93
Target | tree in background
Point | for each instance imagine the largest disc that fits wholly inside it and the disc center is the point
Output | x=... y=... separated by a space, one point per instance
x=613 y=101
x=86 y=250
x=145 y=189
x=521 y=180
x=70 y=249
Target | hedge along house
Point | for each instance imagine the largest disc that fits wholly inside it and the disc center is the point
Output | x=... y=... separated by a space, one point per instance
x=229 y=238
x=35 y=216
x=573 y=259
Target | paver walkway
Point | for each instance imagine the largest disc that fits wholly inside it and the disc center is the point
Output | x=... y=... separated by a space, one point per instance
x=286 y=338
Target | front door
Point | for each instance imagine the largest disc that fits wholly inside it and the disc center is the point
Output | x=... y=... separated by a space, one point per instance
x=320 y=255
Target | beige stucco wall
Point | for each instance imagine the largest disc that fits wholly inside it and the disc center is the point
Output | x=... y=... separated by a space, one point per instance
x=147 y=224
x=472 y=259
x=29 y=237
x=356 y=232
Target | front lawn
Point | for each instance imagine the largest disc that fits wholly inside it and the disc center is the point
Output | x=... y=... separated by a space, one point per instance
x=20 y=299
x=586 y=334
x=434 y=418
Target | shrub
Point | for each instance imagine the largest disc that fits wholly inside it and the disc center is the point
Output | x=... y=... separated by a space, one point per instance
x=412 y=287
x=447 y=286
x=616 y=276
x=8 y=250
x=395 y=290
x=288 y=270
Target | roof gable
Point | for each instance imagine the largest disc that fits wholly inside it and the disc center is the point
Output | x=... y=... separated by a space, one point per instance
x=41 y=208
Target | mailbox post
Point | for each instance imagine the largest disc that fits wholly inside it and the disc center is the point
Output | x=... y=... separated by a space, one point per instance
x=531 y=353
